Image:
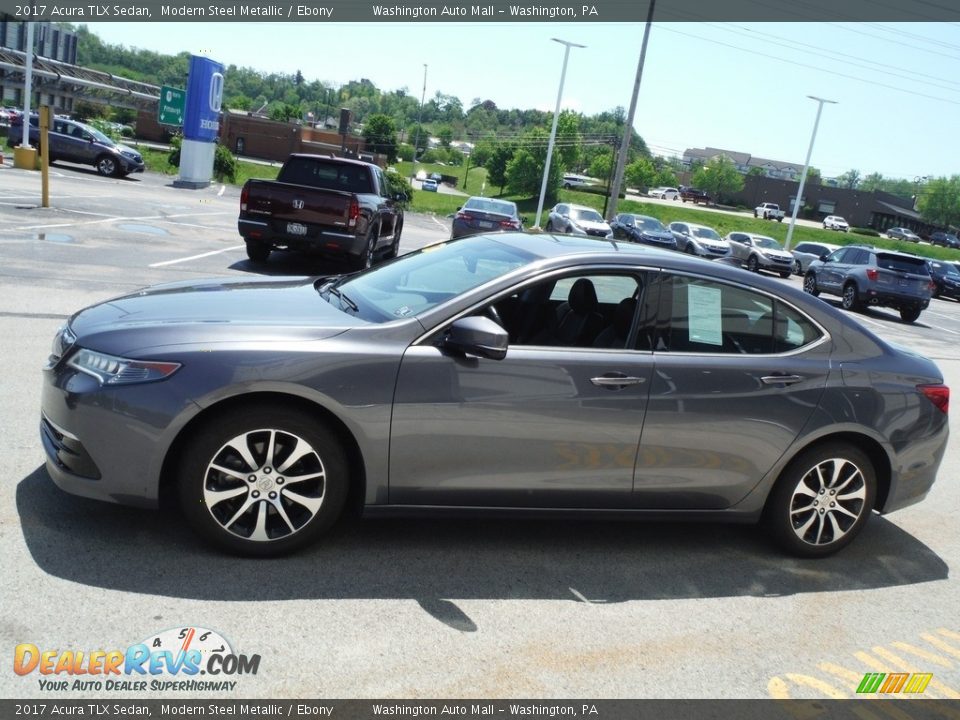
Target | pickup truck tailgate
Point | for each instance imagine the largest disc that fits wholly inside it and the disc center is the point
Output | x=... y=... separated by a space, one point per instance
x=294 y=209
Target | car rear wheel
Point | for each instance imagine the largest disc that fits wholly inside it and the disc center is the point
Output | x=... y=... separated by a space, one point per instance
x=107 y=166
x=810 y=285
x=549 y=227
x=822 y=500
x=258 y=251
x=263 y=481
x=752 y=264
x=909 y=314
x=395 y=245
x=850 y=300
x=369 y=257
x=797 y=267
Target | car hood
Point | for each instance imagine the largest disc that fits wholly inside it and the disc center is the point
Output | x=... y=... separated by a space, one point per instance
x=781 y=254
x=591 y=225
x=127 y=149
x=663 y=235
x=211 y=312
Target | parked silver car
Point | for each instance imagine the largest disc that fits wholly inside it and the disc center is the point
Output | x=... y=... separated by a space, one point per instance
x=576 y=220
x=806 y=252
x=759 y=252
x=699 y=240
x=504 y=372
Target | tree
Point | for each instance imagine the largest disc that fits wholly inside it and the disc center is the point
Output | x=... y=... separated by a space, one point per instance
x=719 y=177
x=601 y=165
x=524 y=172
x=445 y=134
x=568 y=140
x=380 y=135
x=850 y=179
x=756 y=172
x=640 y=173
x=496 y=165
x=284 y=112
x=813 y=176
x=939 y=201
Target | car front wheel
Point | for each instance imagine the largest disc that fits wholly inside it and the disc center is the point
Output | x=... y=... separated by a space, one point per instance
x=822 y=500
x=752 y=264
x=810 y=285
x=107 y=166
x=262 y=481
x=797 y=267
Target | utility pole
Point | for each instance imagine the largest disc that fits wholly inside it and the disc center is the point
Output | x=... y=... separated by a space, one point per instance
x=416 y=141
x=628 y=129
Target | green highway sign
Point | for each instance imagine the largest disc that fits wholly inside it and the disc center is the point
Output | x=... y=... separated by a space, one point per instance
x=170 y=109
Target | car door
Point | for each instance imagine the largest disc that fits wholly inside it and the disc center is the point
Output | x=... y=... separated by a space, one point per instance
x=834 y=268
x=550 y=425
x=740 y=244
x=62 y=145
x=738 y=374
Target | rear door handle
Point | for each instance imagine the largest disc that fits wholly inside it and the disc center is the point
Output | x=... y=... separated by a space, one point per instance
x=781 y=379
x=616 y=381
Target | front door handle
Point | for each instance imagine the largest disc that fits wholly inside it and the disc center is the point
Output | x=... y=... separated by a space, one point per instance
x=616 y=381
x=781 y=379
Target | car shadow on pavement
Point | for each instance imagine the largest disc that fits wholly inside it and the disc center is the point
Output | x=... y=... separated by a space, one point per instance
x=432 y=561
x=288 y=264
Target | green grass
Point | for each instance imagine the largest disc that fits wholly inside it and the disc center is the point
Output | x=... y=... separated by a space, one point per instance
x=475 y=181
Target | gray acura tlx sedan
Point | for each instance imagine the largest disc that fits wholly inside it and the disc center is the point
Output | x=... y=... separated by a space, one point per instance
x=497 y=372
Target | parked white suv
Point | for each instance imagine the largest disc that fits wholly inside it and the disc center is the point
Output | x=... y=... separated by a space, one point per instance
x=835 y=222
x=665 y=193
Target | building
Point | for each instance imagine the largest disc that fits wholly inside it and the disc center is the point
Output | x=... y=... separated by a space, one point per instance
x=51 y=43
x=745 y=162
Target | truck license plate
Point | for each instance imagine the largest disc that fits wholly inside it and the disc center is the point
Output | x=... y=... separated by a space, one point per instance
x=296 y=229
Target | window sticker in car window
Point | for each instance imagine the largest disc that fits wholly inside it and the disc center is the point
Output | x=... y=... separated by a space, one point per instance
x=704 y=318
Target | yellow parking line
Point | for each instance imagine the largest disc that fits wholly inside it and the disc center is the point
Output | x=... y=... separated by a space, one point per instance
x=778 y=689
x=920 y=652
x=941 y=645
x=841 y=672
x=949 y=633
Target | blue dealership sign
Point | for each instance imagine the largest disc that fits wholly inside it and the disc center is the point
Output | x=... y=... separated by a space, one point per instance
x=201 y=119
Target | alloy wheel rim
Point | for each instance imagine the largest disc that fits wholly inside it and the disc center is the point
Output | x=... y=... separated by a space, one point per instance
x=264 y=485
x=828 y=501
x=849 y=296
x=809 y=283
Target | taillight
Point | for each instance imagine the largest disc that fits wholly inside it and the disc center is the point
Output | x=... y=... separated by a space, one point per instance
x=354 y=212
x=463 y=216
x=510 y=224
x=932 y=285
x=872 y=274
x=244 y=194
x=939 y=395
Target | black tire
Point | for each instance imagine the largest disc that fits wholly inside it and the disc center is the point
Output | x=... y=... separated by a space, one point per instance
x=369 y=256
x=690 y=249
x=107 y=166
x=755 y=213
x=822 y=500
x=549 y=227
x=810 y=285
x=262 y=502
x=779 y=219
x=753 y=265
x=797 y=268
x=850 y=299
x=395 y=245
x=785 y=274
x=910 y=314
x=258 y=251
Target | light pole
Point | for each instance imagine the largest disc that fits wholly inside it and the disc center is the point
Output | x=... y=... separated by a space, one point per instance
x=553 y=130
x=806 y=166
x=416 y=140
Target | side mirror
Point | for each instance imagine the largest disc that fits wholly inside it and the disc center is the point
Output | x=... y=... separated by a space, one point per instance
x=478 y=336
x=824 y=257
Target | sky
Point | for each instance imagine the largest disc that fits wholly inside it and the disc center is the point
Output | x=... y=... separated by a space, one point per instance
x=736 y=86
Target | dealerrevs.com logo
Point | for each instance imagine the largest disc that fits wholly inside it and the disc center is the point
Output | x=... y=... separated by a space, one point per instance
x=190 y=659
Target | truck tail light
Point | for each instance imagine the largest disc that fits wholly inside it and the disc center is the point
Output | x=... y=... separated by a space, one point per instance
x=244 y=194
x=354 y=213
x=872 y=274
x=939 y=395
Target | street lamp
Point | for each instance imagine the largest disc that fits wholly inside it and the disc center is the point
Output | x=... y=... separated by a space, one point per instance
x=553 y=129
x=416 y=140
x=806 y=166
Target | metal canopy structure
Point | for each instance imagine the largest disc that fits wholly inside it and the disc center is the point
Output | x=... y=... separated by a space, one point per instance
x=74 y=81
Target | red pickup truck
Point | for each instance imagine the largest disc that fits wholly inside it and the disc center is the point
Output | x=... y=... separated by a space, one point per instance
x=688 y=194
x=326 y=205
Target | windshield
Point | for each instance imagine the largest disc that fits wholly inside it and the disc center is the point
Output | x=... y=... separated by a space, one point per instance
x=649 y=223
x=766 y=243
x=587 y=215
x=423 y=280
x=705 y=233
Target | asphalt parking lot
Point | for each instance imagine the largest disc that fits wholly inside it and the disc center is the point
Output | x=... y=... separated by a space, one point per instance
x=429 y=608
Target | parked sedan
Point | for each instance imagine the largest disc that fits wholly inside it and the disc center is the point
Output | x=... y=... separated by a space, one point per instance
x=576 y=220
x=806 y=252
x=835 y=222
x=759 y=252
x=946 y=239
x=902 y=233
x=699 y=240
x=642 y=229
x=946 y=279
x=480 y=214
x=497 y=372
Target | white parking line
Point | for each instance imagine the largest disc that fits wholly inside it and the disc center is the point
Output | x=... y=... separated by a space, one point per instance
x=438 y=222
x=195 y=257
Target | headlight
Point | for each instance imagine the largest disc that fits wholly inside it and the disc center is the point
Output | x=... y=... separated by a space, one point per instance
x=62 y=342
x=112 y=370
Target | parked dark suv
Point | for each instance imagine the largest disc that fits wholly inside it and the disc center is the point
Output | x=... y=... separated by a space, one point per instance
x=864 y=276
x=72 y=141
x=946 y=279
x=946 y=239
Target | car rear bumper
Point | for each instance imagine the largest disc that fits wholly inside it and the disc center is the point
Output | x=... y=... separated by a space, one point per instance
x=316 y=240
